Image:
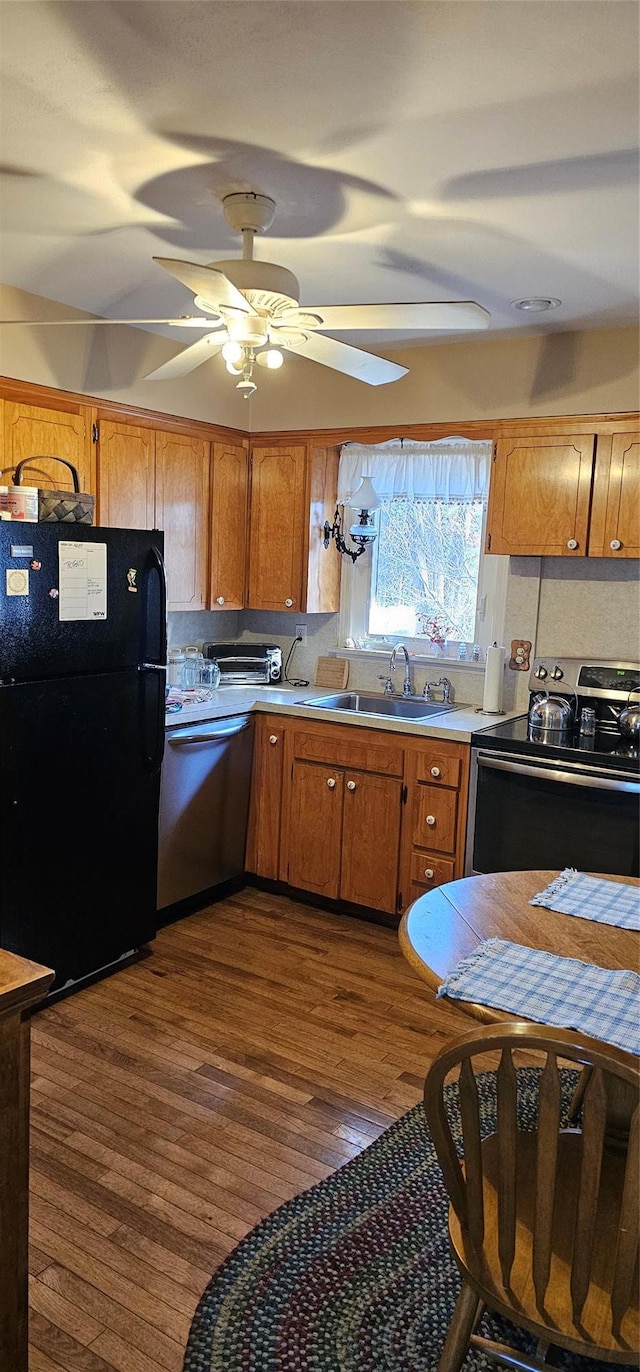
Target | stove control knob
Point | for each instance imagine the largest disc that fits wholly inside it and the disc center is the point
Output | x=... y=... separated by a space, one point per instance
x=557 y=673
x=541 y=672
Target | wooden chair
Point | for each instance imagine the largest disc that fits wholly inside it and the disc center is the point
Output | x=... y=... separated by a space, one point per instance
x=544 y=1223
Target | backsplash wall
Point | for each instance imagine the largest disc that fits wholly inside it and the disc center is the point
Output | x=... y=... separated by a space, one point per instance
x=566 y=606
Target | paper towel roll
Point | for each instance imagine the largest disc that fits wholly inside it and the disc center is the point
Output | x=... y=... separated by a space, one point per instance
x=493 y=678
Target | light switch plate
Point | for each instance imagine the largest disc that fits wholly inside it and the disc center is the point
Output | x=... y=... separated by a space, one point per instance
x=520 y=654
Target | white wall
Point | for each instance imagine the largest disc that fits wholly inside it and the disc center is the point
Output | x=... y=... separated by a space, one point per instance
x=562 y=373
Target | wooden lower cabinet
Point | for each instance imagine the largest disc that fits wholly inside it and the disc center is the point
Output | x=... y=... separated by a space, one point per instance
x=370 y=840
x=265 y=811
x=315 y=828
x=345 y=811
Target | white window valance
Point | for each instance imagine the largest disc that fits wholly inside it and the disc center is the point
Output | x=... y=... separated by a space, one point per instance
x=451 y=469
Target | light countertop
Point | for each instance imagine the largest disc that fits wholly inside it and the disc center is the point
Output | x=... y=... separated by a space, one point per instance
x=458 y=725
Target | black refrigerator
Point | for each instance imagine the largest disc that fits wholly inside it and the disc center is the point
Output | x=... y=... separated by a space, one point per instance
x=82 y=699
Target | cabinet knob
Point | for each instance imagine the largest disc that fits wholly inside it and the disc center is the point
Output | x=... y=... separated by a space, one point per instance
x=615 y=544
x=288 y=603
x=572 y=543
x=273 y=738
x=351 y=785
x=435 y=771
x=431 y=819
x=331 y=783
x=428 y=871
x=220 y=600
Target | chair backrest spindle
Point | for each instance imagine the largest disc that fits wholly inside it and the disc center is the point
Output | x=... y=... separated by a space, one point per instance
x=593 y=1121
x=628 y=1229
x=470 y=1117
x=507 y=1116
x=546 y=1157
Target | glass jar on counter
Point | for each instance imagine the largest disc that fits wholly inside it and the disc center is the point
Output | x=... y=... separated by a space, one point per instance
x=210 y=673
x=193 y=664
x=175 y=668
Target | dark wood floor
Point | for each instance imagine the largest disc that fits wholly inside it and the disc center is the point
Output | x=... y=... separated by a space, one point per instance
x=261 y=1045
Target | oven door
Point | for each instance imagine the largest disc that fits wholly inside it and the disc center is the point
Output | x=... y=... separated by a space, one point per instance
x=526 y=813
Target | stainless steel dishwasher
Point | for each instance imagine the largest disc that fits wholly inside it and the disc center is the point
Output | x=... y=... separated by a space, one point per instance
x=204 y=806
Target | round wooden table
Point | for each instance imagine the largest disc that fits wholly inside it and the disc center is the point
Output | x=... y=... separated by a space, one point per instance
x=447 y=923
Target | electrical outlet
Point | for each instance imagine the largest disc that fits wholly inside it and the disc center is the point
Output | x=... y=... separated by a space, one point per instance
x=301 y=632
x=520 y=651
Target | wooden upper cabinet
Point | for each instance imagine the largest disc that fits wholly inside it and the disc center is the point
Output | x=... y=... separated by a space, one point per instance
x=126 y=475
x=615 y=514
x=276 y=528
x=182 y=510
x=229 y=514
x=293 y=491
x=32 y=431
x=539 y=497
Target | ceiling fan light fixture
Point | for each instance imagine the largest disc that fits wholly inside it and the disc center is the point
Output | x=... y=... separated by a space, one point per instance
x=250 y=330
x=232 y=352
x=536 y=304
x=271 y=358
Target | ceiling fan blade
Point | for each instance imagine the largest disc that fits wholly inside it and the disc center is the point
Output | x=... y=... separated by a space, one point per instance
x=447 y=314
x=190 y=358
x=376 y=371
x=207 y=282
x=186 y=322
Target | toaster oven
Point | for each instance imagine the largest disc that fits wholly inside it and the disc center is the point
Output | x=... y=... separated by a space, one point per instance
x=246 y=664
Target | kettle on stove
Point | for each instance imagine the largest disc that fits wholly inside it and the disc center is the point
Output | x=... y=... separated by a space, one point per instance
x=551 y=719
x=629 y=718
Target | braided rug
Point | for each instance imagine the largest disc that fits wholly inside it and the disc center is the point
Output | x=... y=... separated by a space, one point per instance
x=356 y=1274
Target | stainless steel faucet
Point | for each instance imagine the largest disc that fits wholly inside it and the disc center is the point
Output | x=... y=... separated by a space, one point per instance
x=446 y=689
x=407 y=688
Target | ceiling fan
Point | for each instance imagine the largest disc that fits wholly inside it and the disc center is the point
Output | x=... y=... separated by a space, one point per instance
x=252 y=311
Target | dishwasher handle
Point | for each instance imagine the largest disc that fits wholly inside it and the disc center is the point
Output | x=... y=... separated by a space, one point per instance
x=226 y=729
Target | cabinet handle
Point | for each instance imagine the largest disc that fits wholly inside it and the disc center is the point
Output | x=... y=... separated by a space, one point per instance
x=351 y=785
x=615 y=544
x=572 y=543
x=435 y=771
x=273 y=738
x=428 y=871
x=431 y=819
x=331 y=783
x=220 y=600
x=288 y=603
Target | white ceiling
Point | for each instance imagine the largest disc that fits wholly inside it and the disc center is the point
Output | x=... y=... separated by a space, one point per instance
x=427 y=150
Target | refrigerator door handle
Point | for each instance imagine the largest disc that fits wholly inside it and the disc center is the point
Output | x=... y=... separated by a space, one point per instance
x=153 y=755
x=157 y=566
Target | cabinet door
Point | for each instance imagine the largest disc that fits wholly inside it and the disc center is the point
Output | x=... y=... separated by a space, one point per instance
x=229 y=483
x=126 y=475
x=615 y=511
x=539 y=496
x=182 y=499
x=263 y=843
x=30 y=431
x=314 y=831
x=370 y=840
x=278 y=520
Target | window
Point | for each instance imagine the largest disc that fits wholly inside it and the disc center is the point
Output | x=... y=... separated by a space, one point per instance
x=425 y=579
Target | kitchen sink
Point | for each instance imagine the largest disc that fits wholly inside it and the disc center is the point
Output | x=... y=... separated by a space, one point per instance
x=394 y=707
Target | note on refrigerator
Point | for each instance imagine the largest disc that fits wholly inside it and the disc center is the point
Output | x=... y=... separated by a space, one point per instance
x=83 y=580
